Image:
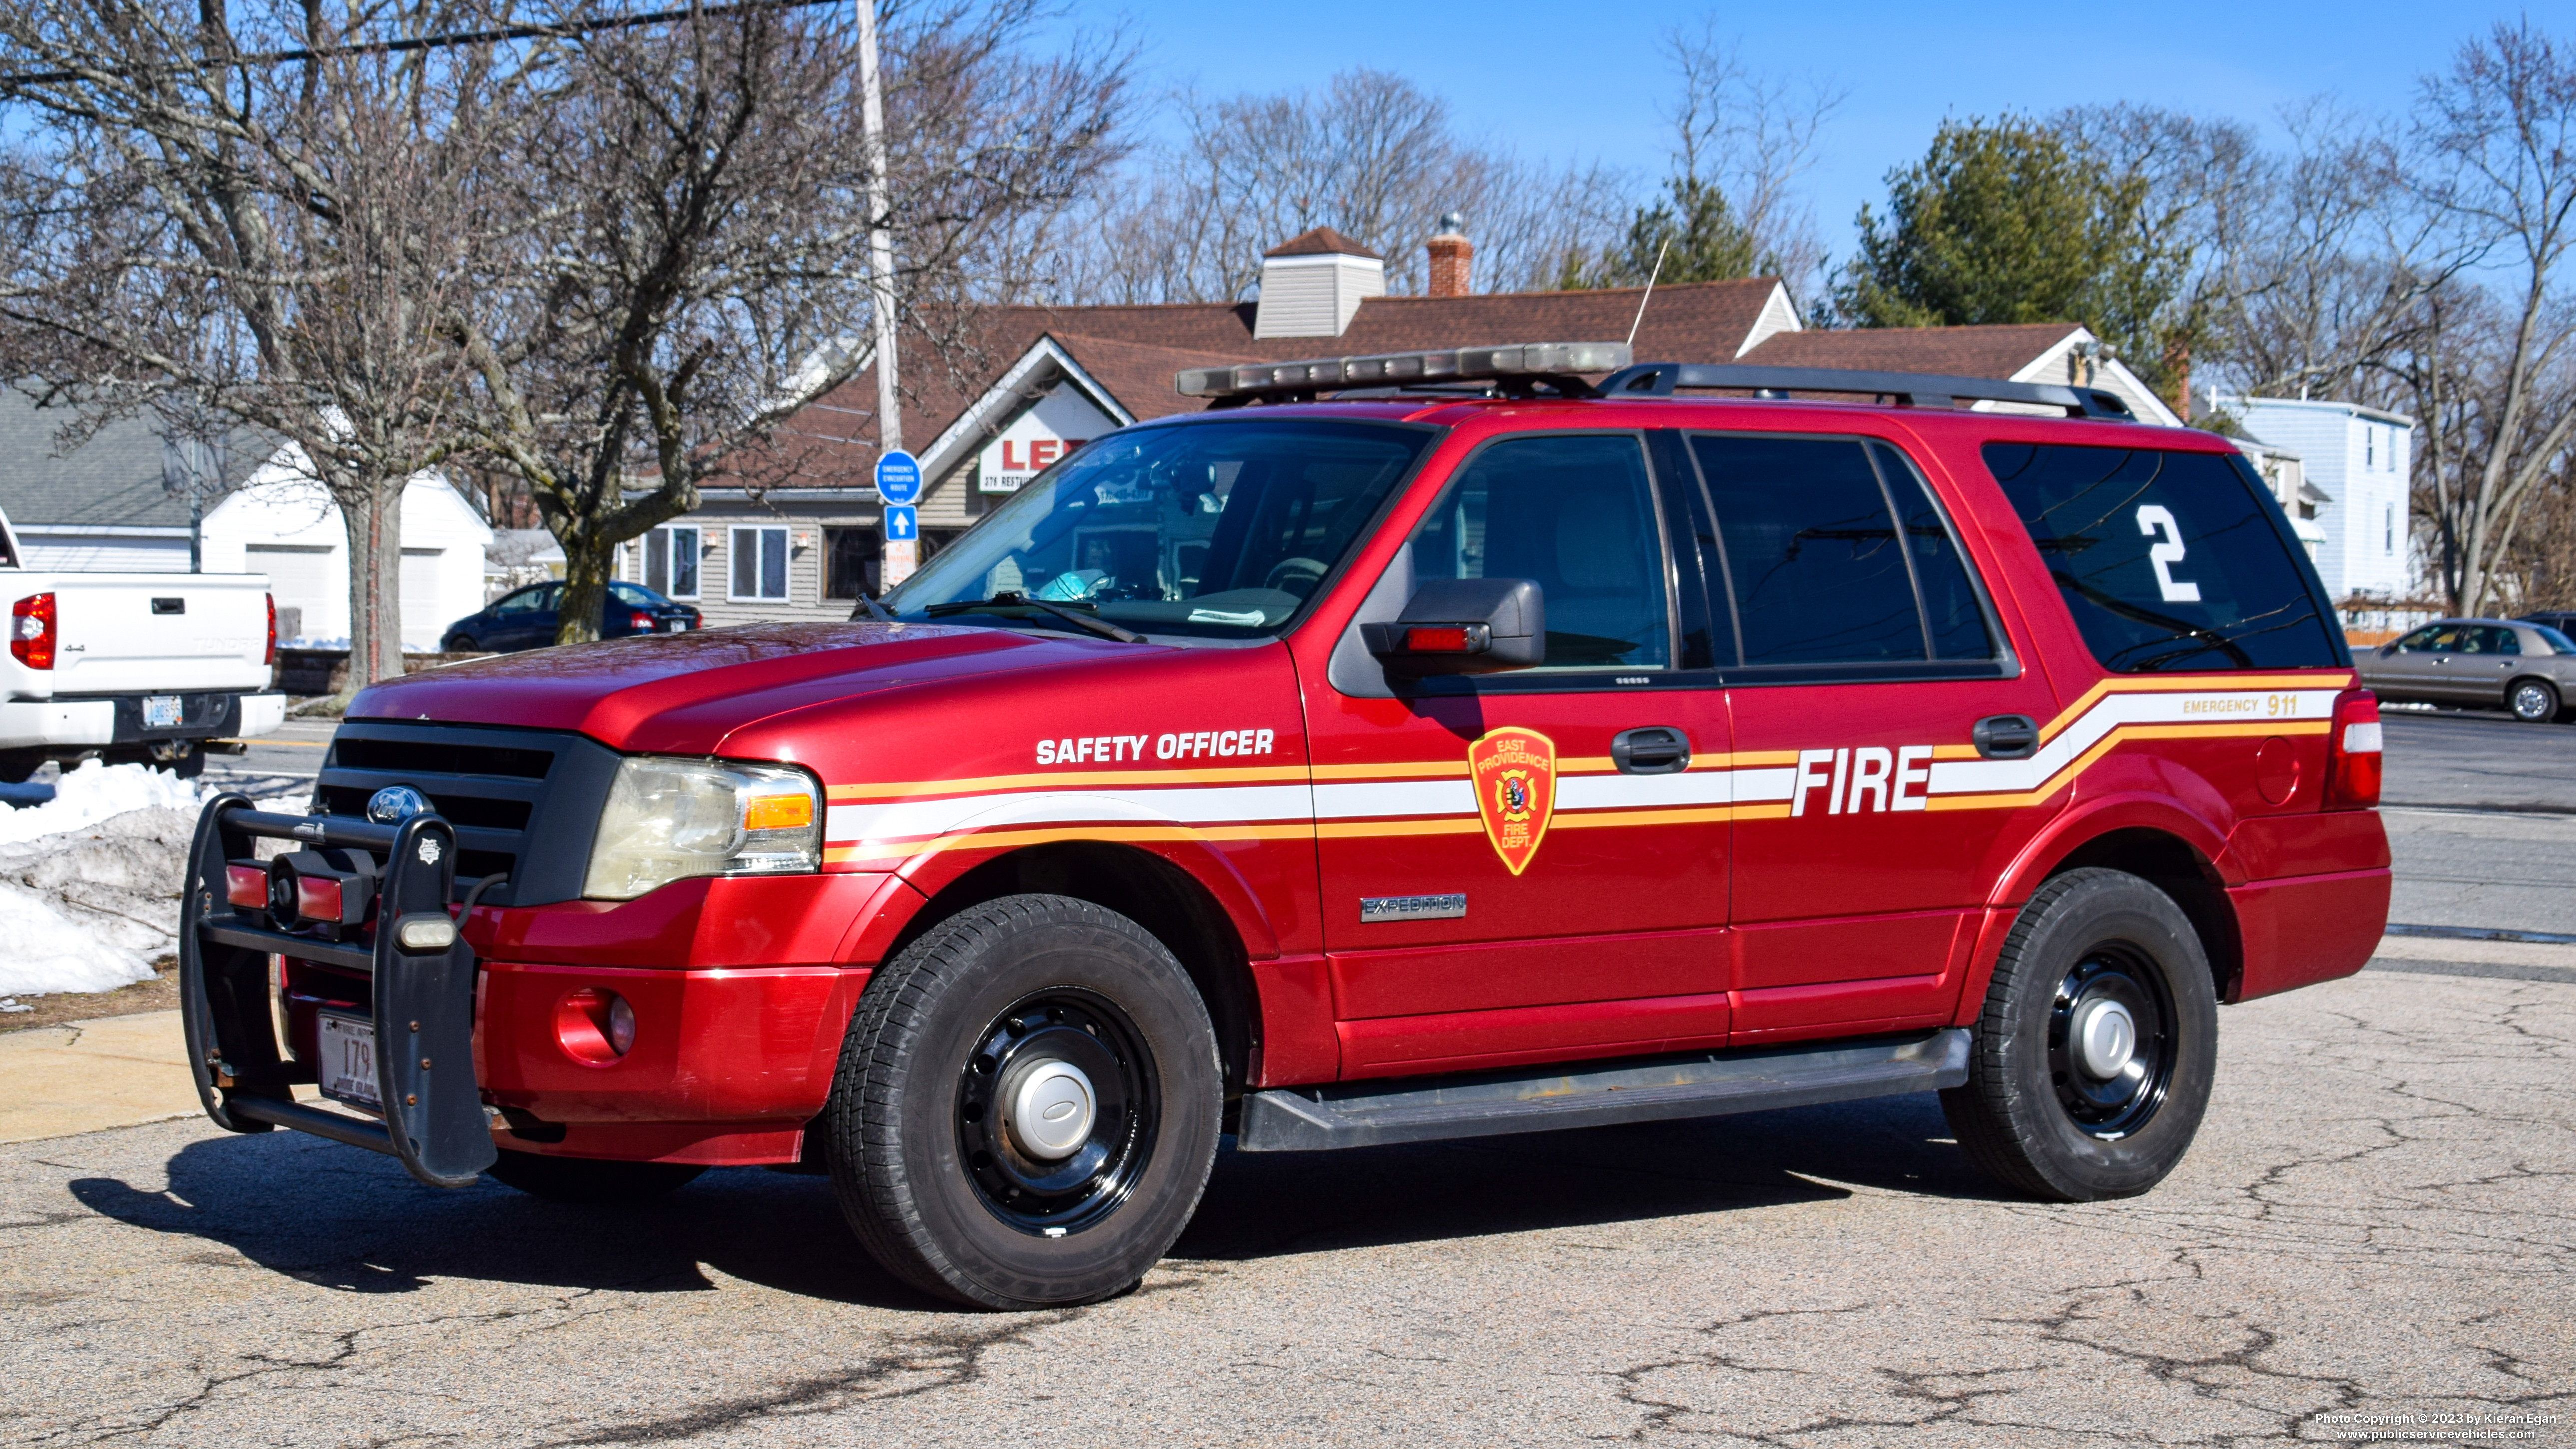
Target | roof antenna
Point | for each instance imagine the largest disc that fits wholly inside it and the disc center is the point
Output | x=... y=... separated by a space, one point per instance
x=1650 y=291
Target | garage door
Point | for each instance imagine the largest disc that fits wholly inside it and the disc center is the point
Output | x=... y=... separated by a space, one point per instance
x=308 y=579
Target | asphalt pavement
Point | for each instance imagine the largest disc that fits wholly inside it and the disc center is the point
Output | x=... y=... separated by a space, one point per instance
x=2373 y=1235
x=284 y=761
x=2481 y=817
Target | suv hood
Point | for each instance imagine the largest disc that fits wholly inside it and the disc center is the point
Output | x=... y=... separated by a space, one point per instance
x=683 y=693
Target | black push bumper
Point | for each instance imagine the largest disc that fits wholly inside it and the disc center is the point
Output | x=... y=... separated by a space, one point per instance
x=423 y=1001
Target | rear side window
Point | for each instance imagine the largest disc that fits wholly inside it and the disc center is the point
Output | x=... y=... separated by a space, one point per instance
x=2168 y=560
x=1834 y=553
x=1576 y=513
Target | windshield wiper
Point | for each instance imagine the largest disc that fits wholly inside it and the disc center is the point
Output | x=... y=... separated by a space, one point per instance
x=868 y=606
x=1010 y=600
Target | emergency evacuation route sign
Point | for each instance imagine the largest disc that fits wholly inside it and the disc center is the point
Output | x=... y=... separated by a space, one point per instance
x=899 y=479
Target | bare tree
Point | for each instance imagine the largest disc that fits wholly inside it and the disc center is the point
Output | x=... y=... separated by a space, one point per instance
x=2497 y=136
x=1374 y=157
x=687 y=267
x=263 y=214
x=1754 y=135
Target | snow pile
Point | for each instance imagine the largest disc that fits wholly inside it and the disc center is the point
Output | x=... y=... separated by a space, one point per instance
x=95 y=792
x=89 y=882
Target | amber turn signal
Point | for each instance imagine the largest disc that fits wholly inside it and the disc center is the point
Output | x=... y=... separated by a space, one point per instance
x=778 y=812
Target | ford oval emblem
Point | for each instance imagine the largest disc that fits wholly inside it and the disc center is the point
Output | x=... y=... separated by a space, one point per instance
x=395 y=804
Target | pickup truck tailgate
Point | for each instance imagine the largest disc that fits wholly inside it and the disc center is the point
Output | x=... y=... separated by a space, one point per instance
x=126 y=634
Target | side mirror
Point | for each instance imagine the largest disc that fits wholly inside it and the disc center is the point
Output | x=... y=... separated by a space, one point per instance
x=1464 y=626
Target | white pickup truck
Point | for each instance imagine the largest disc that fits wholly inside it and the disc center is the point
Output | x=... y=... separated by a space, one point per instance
x=147 y=667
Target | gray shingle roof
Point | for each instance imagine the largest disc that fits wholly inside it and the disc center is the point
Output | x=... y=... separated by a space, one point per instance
x=113 y=480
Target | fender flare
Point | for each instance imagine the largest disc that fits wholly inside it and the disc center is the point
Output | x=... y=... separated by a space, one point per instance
x=2088 y=820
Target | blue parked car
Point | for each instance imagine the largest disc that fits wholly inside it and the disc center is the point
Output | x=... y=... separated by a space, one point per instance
x=525 y=618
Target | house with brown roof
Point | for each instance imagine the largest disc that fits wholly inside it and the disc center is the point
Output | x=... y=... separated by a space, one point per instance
x=1037 y=381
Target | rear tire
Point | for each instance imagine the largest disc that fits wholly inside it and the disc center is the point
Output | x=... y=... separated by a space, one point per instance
x=1027 y=1105
x=2059 y=1104
x=2533 y=701
x=589 y=1179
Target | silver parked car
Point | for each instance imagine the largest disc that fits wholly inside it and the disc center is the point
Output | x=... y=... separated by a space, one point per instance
x=2529 y=669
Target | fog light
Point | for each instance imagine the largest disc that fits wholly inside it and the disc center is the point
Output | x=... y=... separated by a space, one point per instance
x=426 y=933
x=595 y=1025
x=621 y=1025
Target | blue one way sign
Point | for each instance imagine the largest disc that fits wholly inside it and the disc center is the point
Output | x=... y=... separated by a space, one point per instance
x=902 y=525
x=899 y=480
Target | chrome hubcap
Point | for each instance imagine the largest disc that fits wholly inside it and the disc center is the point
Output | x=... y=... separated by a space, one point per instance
x=2106 y=1038
x=1051 y=1109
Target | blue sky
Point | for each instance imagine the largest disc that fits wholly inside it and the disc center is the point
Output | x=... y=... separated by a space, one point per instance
x=1585 y=80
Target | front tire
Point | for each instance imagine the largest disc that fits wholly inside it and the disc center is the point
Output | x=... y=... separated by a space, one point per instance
x=461 y=644
x=1027 y=1105
x=2533 y=701
x=2097 y=1044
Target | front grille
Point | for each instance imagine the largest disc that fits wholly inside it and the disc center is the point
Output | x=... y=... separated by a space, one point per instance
x=524 y=802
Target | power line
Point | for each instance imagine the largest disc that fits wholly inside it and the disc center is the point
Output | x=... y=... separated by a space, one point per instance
x=440 y=42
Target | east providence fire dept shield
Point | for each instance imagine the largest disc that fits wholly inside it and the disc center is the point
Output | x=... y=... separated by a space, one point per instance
x=1515 y=775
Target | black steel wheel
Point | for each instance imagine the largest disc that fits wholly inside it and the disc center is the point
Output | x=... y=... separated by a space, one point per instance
x=2096 y=1046
x=2533 y=701
x=1027 y=1105
x=1057 y=1110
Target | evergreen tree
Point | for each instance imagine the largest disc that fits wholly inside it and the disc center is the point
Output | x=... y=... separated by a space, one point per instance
x=2006 y=222
x=1690 y=227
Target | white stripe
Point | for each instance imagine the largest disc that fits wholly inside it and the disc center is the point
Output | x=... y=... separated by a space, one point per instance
x=1198 y=805
x=905 y=819
x=1952 y=777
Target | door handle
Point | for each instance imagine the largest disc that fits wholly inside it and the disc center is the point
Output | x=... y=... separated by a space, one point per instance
x=2006 y=737
x=1650 y=750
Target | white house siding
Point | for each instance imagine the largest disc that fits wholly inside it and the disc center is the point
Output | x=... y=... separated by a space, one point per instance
x=2359 y=456
x=284 y=524
x=140 y=551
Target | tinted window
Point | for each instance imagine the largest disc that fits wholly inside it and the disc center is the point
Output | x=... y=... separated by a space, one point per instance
x=1952 y=613
x=2168 y=560
x=1815 y=560
x=524 y=601
x=2557 y=642
x=2422 y=640
x=1221 y=528
x=636 y=596
x=1577 y=515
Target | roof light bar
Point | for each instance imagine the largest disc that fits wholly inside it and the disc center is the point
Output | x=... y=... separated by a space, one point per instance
x=1907 y=389
x=1462 y=364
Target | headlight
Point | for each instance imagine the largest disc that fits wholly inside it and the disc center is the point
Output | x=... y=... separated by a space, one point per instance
x=669 y=819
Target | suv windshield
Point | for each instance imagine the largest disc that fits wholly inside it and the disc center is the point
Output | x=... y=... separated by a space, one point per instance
x=1221 y=530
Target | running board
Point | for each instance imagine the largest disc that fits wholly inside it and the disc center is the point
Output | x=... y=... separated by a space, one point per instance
x=1703 y=1084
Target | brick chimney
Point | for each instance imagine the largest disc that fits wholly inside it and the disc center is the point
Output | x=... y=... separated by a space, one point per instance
x=1452 y=259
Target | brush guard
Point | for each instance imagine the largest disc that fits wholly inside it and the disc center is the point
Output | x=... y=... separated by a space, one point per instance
x=423 y=1001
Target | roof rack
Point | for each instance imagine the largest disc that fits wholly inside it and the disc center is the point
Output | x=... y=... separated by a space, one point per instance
x=1554 y=366
x=1907 y=389
x=1559 y=368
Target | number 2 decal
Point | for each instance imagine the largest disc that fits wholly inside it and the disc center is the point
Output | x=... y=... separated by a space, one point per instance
x=2153 y=519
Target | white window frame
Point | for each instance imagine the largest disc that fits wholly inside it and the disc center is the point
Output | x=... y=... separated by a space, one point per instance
x=671 y=559
x=733 y=563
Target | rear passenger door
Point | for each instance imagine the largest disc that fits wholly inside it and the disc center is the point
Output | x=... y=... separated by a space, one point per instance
x=1865 y=650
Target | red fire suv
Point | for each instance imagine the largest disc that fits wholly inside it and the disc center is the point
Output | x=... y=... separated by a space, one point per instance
x=1518 y=739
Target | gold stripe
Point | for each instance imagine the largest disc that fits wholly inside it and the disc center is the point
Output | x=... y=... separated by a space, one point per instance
x=1361 y=829
x=2118 y=735
x=1699 y=815
x=1074 y=779
x=2182 y=684
x=1006 y=839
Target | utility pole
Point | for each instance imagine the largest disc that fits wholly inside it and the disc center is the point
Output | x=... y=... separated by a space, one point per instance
x=900 y=555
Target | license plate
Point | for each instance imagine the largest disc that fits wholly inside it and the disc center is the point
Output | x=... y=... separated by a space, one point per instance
x=348 y=1065
x=678 y=626
x=161 y=712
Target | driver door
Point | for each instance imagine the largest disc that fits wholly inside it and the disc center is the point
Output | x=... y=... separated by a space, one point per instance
x=1505 y=878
